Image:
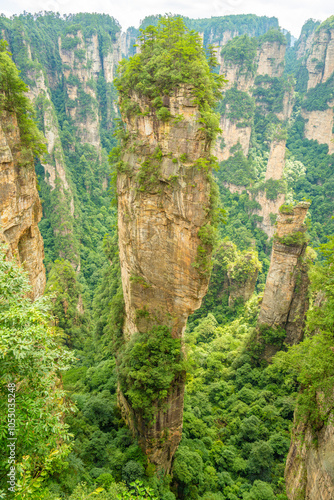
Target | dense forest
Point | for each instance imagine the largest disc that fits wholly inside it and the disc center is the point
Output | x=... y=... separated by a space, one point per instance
x=71 y=82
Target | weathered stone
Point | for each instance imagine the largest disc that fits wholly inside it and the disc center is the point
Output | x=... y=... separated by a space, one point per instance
x=20 y=207
x=319 y=126
x=309 y=471
x=158 y=225
x=285 y=300
x=269 y=61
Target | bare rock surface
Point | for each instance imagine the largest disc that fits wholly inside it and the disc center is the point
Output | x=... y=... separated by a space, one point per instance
x=20 y=206
x=160 y=213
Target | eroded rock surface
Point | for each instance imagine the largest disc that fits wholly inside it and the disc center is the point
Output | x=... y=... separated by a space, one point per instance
x=20 y=206
x=163 y=201
x=309 y=471
x=285 y=300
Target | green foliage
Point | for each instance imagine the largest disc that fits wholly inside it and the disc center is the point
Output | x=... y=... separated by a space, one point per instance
x=318 y=182
x=32 y=358
x=260 y=491
x=293 y=239
x=149 y=363
x=327 y=25
x=237 y=416
x=274 y=188
x=14 y=100
x=318 y=97
x=311 y=361
x=286 y=208
x=64 y=288
x=238 y=106
x=208 y=236
x=214 y=27
x=170 y=57
x=237 y=169
x=273 y=35
x=148 y=174
x=241 y=50
x=269 y=92
x=69 y=42
x=272 y=335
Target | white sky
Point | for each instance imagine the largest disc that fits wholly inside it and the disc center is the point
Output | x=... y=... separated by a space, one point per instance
x=291 y=14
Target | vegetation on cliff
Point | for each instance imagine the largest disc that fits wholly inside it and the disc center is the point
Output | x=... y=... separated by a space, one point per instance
x=171 y=56
x=32 y=359
x=238 y=412
x=13 y=99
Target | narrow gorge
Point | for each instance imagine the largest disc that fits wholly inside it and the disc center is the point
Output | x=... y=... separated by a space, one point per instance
x=171 y=199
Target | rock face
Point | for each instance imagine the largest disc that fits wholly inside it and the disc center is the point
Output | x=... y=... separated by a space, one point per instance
x=285 y=301
x=319 y=63
x=319 y=126
x=309 y=471
x=249 y=87
x=20 y=207
x=163 y=201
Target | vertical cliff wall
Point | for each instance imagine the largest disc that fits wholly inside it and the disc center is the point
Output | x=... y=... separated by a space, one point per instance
x=163 y=204
x=310 y=465
x=254 y=123
x=285 y=300
x=69 y=64
x=20 y=207
x=317 y=108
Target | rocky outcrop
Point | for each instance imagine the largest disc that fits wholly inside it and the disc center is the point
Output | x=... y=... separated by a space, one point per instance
x=242 y=276
x=85 y=68
x=268 y=211
x=234 y=273
x=274 y=171
x=320 y=62
x=231 y=135
x=163 y=202
x=276 y=160
x=268 y=63
x=20 y=207
x=285 y=302
x=319 y=123
x=319 y=126
x=270 y=59
x=309 y=471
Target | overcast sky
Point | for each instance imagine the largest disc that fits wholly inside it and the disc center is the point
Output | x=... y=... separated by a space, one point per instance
x=291 y=14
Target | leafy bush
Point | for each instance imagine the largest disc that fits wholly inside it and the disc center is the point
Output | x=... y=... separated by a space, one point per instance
x=149 y=363
x=32 y=359
x=13 y=99
x=241 y=50
x=171 y=56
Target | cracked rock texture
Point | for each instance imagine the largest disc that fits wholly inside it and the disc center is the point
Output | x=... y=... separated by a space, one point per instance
x=158 y=224
x=20 y=206
x=309 y=471
x=285 y=301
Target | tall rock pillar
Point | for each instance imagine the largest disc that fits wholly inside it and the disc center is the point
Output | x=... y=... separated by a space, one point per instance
x=20 y=206
x=285 y=302
x=164 y=201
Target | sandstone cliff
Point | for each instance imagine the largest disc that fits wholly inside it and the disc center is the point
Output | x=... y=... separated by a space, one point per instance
x=245 y=99
x=285 y=301
x=319 y=62
x=309 y=471
x=163 y=202
x=20 y=207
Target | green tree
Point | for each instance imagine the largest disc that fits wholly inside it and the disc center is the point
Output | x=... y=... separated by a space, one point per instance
x=67 y=307
x=13 y=99
x=170 y=56
x=32 y=358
